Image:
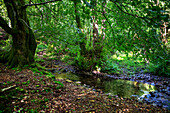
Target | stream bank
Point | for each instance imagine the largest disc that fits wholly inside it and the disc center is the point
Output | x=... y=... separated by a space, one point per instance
x=34 y=92
x=160 y=96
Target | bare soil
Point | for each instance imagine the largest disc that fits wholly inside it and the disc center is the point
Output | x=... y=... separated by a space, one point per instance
x=28 y=92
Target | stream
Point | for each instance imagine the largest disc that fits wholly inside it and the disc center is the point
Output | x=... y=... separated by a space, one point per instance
x=145 y=92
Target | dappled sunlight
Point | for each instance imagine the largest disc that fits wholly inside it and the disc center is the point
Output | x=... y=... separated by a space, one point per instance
x=123 y=56
x=147 y=87
x=84 y=56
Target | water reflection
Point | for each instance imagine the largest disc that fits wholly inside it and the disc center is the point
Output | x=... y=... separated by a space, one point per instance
x=125 y=88
x=121 y=88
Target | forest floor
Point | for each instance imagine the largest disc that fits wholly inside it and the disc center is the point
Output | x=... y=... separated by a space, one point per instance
x=26 y=91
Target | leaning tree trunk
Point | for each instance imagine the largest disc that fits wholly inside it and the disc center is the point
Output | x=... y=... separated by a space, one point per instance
x=24 y=44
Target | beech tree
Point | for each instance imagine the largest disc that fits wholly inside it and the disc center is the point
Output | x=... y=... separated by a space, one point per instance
x=23 y=39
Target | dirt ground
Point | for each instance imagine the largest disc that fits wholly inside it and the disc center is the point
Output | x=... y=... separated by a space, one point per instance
x=25 y=91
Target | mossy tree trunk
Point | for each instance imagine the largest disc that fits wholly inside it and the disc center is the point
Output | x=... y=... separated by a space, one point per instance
x=24 y=44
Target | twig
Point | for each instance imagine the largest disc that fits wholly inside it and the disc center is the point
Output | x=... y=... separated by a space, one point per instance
x=134 y=15
x=8 y=88
x=42 y=3
x=50 y=10
x=91 y=110
x=38 y=10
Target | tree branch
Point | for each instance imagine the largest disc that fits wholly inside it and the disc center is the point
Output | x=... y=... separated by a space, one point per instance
x=50 y=10
x=134 y=15
x=38 y=10
x=25 y=6
x=108 y=21
x=5 y=26
x=127 y=12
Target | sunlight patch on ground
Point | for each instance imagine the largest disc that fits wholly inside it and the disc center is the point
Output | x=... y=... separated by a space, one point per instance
x=123 y=56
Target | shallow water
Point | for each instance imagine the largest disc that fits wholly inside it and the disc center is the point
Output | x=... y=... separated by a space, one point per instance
x=123 y=88
x=118 y=87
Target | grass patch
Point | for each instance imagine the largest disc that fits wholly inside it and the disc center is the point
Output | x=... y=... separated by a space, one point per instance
x=121 y=63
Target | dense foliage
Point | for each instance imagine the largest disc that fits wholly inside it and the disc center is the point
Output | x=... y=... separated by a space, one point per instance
x=88 y=32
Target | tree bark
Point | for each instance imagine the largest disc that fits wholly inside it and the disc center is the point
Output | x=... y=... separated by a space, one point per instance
x=79 y=26
x=98 y=39
x=24 y=44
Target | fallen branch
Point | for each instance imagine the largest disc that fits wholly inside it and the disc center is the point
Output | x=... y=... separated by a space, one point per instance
x=91 y=110
x=8 y=88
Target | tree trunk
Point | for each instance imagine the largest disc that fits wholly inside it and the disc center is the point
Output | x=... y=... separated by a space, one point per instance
x=79 y=25
x=24 y=44
x=98 y=39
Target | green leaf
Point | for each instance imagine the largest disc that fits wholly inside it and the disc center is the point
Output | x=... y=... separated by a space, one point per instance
x=58 y=82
